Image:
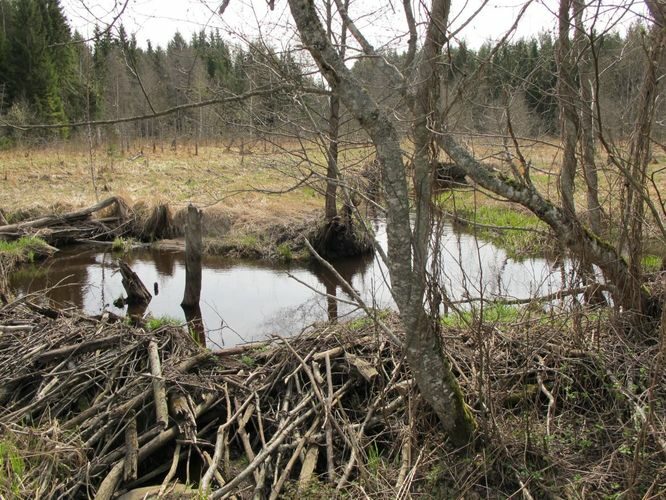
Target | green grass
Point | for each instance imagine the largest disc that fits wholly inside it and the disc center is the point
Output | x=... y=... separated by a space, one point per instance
x=26 y=249
x=366 y=321
x=121 y=245
x=651 y=263
x=374 y=459
x=309 y=192
x=12 y=468
x=154 y=323
x=505 y=226
x=246 y=244
x=491 y=313
x=284 y=252
x=248 y=360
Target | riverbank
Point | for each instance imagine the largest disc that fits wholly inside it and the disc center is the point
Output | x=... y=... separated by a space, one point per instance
x=258 y=197
x=333 y=411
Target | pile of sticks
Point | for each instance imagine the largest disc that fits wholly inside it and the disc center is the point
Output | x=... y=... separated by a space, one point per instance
x=90 y=223
x=149 y=413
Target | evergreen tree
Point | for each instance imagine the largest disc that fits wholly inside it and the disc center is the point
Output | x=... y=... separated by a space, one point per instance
x=5 y=23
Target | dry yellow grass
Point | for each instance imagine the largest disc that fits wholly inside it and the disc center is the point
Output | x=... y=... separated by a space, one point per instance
x=221 y=179
x=59 y=178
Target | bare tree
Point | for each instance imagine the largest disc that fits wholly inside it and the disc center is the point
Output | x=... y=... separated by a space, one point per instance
x=407 y=251
x=407 y=245
x=586 y=123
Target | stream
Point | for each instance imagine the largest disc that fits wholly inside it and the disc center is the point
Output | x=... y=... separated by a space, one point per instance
x=243 y=301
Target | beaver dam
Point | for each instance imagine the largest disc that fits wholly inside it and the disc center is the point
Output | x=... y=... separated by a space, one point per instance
x=249 y=300
x=93 y=407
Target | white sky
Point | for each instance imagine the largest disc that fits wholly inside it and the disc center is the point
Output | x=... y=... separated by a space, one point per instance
x=159 y=20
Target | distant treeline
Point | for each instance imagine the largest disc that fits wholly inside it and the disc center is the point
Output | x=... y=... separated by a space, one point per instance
x=49 y=75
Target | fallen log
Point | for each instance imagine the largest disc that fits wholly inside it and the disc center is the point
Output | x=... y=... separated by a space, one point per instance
x=53 y=220
x=159 y=391
x=131 y=464
x=82 y=348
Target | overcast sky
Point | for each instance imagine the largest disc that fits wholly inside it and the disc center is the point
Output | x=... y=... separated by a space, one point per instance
x=158 y=20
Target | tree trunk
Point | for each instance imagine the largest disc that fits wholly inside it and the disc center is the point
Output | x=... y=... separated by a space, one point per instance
x=193 y=251
x=195 y=323
x=568 y=115
x=431 y=369
x=331 y=210
x=586 y=122
x=332 y=173
x=639 y=154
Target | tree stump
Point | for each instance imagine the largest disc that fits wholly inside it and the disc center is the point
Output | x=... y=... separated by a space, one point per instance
x=137 y=293
x=193 y=251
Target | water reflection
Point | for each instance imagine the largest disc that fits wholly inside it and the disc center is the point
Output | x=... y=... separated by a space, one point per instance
x=348 y=269
x=249 y=300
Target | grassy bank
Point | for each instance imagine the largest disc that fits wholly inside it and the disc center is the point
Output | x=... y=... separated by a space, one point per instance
x=253 y=196
x=508 y=226
x=22 y=251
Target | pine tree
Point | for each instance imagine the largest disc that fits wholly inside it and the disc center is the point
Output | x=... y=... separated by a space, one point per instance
x=39 y=62
x=5 y=23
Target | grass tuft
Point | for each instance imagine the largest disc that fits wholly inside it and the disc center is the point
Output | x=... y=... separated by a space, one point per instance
x=491 y=313
x=154 y=323
x=24 y=250
x=121 y=245
x=651 y=263
x=284 y=252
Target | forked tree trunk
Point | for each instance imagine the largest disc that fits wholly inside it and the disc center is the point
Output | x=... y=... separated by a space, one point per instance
x=427 y=361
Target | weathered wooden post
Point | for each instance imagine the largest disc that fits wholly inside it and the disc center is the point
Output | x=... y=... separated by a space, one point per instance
x=193 y=252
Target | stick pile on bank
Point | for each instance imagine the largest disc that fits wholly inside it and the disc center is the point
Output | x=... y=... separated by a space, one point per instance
x=76 y=225
x=117 y=408
x=92 y=407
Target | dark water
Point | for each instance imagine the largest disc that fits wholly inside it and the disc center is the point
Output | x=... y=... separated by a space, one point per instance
x=250 y=300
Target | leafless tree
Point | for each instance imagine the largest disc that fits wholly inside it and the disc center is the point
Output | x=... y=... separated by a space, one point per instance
x=408 y=244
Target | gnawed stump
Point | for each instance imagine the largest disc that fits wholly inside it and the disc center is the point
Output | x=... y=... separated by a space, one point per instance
x=137 y=293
